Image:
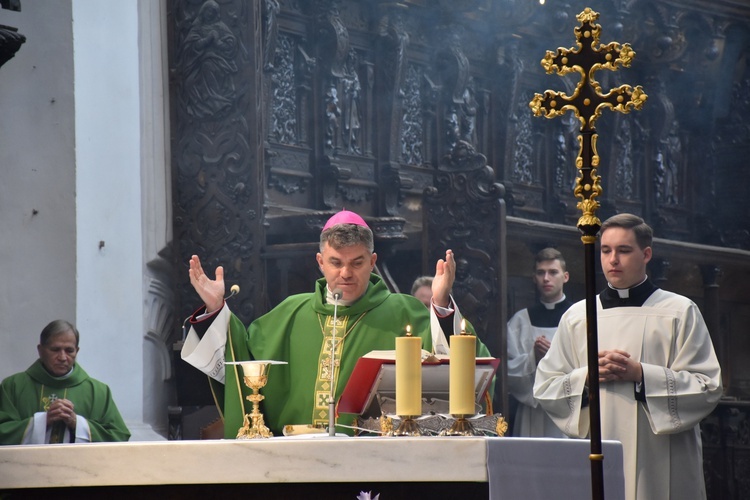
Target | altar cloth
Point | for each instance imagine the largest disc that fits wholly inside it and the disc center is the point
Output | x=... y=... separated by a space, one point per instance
x=543 y=468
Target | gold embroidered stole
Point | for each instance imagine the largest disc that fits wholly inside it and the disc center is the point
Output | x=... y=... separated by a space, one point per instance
x=323 y=381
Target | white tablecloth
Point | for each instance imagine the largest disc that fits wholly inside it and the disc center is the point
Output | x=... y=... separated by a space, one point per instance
x=540 y=468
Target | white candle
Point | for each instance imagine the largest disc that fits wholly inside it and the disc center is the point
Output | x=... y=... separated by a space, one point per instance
x=462 y=363
x=408 y=375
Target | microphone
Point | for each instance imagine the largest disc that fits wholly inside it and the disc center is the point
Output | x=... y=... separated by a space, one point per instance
x=337 y=293
x=184 y=328
x=233 y=290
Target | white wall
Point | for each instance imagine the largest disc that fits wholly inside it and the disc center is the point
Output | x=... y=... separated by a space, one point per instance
x=84 y=143
x=108 y=185
x=37 y=182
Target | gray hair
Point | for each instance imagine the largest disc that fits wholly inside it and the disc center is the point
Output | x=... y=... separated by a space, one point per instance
x=57 y=327
x=420 y=282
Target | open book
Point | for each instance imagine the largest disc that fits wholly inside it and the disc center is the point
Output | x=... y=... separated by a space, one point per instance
x=374 y=377
x=427 y=357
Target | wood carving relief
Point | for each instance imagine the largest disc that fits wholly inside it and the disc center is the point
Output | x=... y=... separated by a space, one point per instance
x=462 y=213
x=214 y=185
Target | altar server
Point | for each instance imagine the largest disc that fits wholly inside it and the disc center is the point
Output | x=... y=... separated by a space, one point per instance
x=299 y=330
x=658 y=372
x=530 y=332
x=55 y=400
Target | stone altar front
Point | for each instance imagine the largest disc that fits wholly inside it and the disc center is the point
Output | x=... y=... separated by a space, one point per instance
x=336 y=467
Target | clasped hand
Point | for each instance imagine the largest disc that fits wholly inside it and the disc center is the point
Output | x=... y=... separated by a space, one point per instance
x=61 y=410
x=541 y=346
x=616 y=365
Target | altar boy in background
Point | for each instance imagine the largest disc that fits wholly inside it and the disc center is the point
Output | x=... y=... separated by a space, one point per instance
x=530 y=332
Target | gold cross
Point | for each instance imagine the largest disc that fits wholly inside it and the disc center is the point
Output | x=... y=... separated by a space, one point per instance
x=587 y=103
x=326 y=365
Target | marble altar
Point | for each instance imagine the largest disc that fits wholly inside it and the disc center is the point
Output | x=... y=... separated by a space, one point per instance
x=503 y=467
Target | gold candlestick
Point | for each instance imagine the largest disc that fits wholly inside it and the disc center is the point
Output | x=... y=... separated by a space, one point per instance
x=255 y=376
x=408 y=427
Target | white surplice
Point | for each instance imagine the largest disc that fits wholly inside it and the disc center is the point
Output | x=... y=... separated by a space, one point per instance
x=662 y=449
x=530 y=419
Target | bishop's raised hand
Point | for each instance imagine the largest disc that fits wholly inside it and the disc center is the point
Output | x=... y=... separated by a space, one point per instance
x=211 y=291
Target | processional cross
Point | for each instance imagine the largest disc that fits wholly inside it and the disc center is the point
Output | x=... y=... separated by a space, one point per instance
x=587 y=103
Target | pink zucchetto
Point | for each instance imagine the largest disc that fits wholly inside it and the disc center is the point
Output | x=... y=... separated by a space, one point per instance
x=345 y=217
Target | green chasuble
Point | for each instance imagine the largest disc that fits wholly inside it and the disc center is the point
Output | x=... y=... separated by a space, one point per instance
x=26 y=393
x=297 y=393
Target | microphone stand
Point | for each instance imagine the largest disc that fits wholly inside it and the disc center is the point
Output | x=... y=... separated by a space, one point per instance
x=332 y=397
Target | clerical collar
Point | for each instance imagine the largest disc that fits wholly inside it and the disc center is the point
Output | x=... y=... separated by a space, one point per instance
x=624 y=293
x=342 y=301
x=627 y=297
x=543 y=316
x=61 y=377
x=552 y=305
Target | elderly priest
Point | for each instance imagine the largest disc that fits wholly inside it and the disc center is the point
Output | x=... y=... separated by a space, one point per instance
x=55 y=400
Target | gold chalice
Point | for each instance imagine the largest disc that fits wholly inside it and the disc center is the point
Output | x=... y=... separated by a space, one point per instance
x=255 y=376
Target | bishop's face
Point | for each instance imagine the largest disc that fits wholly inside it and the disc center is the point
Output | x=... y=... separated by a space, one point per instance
x=58 y=355
x=623 y=261
x=347 y=268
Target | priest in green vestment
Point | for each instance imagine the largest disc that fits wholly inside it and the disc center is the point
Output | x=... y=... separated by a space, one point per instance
x=299 y=331
x=55 y=400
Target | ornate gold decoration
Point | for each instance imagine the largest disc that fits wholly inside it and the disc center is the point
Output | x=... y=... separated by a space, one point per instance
x=587 y=103
x=461 y=426
x=320 y=412
x=255 y=376
x=386 y=425
x=501 y=427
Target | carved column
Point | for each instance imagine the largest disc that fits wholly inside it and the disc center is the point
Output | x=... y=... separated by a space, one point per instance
x=465 y=212
x=712 y=316
x=659 y=270
x=333 y=49
x=216 y=69
x=452 y=70
x=393 y=40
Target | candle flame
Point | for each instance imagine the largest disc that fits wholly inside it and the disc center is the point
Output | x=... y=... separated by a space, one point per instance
x=408 y=330
x=463 y=327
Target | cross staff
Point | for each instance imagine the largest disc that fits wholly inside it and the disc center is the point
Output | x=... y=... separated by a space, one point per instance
x=587 y=103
